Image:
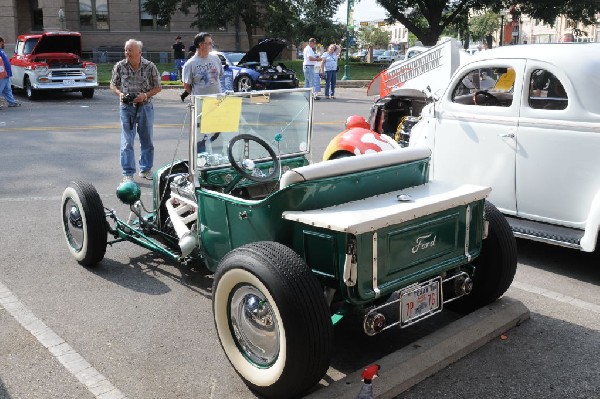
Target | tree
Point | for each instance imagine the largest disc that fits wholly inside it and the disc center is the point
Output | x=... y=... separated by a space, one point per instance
x=484 y=25
x=427 y=19
x=373 y=36
x=275 y=17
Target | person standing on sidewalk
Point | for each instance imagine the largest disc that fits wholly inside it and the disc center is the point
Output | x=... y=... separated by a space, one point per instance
x=5 y=75
x=308 y=65
x=135 y=80
x=330 y=67
x=179 y=54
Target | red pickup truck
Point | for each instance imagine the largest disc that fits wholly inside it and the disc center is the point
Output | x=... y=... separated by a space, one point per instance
x=52 y=61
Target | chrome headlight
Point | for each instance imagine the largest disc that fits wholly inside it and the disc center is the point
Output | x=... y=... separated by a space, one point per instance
x=41 y=70
x=90 y=69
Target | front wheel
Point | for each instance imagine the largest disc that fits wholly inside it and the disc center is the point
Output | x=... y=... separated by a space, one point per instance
x=272 y=319
x=29 y=90
x=243 y=83
x=87 y=93
x=84 y=223
x=495 y=267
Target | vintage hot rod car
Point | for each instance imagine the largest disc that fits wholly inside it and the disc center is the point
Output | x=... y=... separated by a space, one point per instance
x=524 y=120
x=295 y=245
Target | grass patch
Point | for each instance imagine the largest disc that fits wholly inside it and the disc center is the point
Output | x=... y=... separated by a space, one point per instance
x=357 y=71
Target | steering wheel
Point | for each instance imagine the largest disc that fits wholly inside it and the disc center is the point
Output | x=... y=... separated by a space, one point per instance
x=486 y=98
x=246 y=167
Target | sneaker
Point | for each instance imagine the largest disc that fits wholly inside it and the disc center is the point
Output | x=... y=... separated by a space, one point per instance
x=317 y=98
x=14 y=105
x=332 y=97
x=127 y=178
x=146 y=174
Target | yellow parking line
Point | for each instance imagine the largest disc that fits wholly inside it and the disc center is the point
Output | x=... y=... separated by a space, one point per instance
x=113 y=126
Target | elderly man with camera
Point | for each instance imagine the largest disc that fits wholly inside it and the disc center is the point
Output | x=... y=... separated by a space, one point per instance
x=136 y=80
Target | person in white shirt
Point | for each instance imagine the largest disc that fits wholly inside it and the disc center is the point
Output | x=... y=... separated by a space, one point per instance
x=308 y=65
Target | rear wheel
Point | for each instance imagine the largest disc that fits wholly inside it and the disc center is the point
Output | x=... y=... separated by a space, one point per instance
x=29 y=90
x=495 y=267
x=84 y=223
x=272 y=319
x=87 y=93
x=243 y=83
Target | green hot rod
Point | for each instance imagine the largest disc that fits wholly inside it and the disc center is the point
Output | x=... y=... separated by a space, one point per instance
x=294 y=246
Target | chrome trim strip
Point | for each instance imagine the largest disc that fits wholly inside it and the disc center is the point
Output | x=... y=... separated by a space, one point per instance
x=467 y=232
x=375 y=288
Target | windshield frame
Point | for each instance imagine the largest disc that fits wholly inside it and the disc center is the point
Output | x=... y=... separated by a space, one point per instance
x=302 y=134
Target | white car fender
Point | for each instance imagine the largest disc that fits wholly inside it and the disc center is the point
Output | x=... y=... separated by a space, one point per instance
x=590 y=236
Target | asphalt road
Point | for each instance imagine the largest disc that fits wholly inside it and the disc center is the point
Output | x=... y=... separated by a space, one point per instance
x=144 y=324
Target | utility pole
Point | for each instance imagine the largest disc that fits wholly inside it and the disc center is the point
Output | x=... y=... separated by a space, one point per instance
x=347 y=56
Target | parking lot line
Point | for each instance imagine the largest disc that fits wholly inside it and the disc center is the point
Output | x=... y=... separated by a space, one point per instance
x=75 y=364
x=557 y=296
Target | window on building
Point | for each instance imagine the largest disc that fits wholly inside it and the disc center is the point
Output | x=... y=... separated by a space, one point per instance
x=150 y=22
x=37 y=16
x=93 y=15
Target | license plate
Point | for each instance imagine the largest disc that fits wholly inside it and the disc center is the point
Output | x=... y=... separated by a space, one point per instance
x=420 y=301
x=68 y=82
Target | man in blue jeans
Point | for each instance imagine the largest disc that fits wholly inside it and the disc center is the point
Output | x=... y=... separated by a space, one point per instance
x=308 y=65
x=5 y=74
x=135 y=80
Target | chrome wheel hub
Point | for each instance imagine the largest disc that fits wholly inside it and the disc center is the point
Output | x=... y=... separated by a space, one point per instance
x=254 y=325
x=73 y=224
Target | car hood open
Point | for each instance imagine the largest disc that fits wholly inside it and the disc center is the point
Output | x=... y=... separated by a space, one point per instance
x=272 y=47
x=58 y=44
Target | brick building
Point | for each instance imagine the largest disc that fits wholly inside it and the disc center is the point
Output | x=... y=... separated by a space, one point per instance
x=109 y=23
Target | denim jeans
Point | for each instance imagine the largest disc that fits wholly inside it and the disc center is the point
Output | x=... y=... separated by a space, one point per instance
x=309 y=76
x=143 y=123
x=6 y=91
x=330 y=80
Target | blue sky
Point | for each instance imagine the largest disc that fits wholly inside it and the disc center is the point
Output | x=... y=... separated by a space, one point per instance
x=364 y=10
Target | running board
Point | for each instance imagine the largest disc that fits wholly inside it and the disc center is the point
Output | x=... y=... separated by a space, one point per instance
x=543 y=232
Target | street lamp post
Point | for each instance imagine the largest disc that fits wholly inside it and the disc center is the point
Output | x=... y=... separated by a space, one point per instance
x=501 y=28
x=347 y=58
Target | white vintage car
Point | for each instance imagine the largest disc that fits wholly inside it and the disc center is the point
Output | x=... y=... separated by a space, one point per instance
x=526 y=121
x=523 y=119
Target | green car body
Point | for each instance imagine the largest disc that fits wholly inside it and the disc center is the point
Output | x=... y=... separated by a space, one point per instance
x=295 y=245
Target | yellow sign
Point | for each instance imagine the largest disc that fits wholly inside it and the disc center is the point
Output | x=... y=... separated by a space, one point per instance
x=381 y=23
x=364 y=23
x=506 y=81
x=220 y=114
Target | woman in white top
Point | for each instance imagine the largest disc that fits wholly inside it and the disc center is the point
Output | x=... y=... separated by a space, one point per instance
x=330 y=66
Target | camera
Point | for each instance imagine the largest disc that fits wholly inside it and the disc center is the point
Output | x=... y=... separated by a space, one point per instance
x=129 y=97
x=184 y=95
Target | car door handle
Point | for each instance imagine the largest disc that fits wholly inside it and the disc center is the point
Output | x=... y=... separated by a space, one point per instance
x=507 y=135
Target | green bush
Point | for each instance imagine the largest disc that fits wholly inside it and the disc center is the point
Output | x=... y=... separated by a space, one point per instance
x=358 y=71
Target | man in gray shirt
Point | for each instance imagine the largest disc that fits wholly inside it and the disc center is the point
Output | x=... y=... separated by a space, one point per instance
x=202 y=72
x=135 y=80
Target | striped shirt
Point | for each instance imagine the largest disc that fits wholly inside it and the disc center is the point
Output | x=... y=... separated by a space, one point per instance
x=128 y=81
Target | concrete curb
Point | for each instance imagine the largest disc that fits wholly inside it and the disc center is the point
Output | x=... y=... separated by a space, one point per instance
x=410 y=365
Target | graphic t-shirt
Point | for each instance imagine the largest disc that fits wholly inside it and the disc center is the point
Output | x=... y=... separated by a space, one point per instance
x=203 y=74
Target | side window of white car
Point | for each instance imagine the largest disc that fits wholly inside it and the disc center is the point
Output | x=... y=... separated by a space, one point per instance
x=546 y=91
x=486 y=87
